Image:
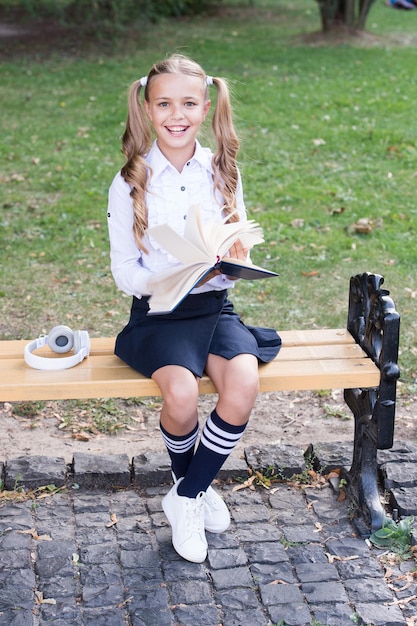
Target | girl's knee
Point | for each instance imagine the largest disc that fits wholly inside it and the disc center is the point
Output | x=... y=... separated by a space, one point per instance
x=180 y=398
x=246 y=378
x=241 y=391
x=250 y=391
x=179 y=389
x=246 y=388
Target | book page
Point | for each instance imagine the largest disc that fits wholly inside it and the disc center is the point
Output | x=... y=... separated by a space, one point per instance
x=180 y=247
x=171 y=287
x=205 y=242
x=200 y=251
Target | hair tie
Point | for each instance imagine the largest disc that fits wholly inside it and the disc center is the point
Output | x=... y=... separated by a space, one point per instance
x=209 y=80
x=143 y=81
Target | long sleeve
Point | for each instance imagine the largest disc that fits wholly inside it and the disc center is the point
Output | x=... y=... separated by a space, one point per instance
x=126 y=259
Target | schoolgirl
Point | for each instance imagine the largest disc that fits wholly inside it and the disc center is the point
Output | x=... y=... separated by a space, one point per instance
x=160 y=180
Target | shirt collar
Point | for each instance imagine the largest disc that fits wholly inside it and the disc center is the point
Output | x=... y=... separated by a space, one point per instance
x=159 y=163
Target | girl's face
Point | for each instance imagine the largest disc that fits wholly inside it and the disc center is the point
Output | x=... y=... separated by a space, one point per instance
x=177 y=107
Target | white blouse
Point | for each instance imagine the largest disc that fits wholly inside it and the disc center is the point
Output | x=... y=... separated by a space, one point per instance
x=169 y=197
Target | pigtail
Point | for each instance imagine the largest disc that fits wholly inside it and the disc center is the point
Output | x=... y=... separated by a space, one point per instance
x=136 y=142
x=224 y=159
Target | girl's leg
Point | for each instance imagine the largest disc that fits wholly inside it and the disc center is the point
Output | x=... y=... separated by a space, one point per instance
x=237 y=383
x=179 y=427
x=179 y=420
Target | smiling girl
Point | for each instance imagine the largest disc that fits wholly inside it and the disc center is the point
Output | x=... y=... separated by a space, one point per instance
x=161 y=179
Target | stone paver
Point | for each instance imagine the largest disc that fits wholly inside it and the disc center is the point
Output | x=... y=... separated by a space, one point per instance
x=99 y=552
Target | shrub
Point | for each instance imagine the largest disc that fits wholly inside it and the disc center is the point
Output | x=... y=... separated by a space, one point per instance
x=116 y=12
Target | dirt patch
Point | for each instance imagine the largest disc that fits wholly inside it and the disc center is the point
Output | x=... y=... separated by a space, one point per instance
x=38 y=39
x=292 y=418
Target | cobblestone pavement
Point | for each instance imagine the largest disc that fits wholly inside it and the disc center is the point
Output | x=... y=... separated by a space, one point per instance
x=99 y=553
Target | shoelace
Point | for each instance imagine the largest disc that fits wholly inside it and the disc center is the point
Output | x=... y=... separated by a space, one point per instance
x=195 y=513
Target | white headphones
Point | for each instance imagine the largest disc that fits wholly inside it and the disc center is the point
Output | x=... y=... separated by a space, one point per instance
x=61 y=339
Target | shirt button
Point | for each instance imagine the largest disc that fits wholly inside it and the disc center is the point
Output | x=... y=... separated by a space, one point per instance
x=182 y=188
x=185 y=217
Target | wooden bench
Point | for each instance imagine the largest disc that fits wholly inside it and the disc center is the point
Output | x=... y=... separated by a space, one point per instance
x=361 y=359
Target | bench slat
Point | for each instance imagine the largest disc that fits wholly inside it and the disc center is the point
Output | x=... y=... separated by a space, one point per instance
x=107 y=376
x=316 y=337
x=325 y=374
x=102 y=345
x=287 y=352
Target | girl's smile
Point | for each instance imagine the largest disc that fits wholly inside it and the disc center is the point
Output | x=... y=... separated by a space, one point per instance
x=177 y=131
x=177 y=107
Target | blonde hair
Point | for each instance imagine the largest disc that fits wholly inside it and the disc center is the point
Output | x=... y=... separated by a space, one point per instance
x=137 y=141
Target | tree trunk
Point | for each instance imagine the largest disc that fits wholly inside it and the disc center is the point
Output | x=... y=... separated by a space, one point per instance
x=364 y=8
x=350 y=14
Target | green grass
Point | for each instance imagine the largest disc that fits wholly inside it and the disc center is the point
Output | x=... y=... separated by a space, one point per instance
x=327 y=138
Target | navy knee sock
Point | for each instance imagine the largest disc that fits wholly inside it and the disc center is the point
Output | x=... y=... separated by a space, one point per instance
x=180 y=449
x=218 y=440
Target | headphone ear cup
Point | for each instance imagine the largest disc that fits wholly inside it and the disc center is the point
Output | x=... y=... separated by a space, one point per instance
x=61 y=339
x=82 y=342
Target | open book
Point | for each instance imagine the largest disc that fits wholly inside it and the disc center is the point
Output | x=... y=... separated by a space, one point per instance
x=201 y=250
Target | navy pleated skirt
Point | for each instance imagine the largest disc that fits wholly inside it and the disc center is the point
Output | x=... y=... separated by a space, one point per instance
x=202 y=324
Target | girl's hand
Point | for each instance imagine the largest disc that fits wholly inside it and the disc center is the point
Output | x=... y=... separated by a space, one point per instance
x=237 y=251
x=209 y=276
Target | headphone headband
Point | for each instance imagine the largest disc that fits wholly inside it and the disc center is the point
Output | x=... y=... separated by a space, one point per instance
x=61 y=339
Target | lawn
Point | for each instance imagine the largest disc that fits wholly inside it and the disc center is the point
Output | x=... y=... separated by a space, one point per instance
x=328 y=143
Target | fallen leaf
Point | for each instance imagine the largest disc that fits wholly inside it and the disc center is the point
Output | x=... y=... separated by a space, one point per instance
x=18 y=177
x=247 y=484
x=34 y=534
x=333 y=474
x=278 y=581
x=333 y=557
x=363 y=225
x=410 y=292
x=402 y=601
x=41 y=600
x=342 y=496
x=81 y=436
x=398 y=589
x=114 y=520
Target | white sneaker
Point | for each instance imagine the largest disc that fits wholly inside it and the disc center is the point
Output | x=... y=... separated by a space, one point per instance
x=216 y=513
x=186 y=516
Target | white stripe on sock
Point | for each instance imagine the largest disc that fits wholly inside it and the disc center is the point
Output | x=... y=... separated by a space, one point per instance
x=180 y=446
x=222 y=433
x=218 y=440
